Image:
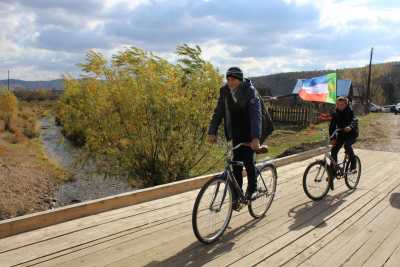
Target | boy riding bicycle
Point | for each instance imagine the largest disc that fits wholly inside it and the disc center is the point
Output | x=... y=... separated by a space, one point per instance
x=343 y=119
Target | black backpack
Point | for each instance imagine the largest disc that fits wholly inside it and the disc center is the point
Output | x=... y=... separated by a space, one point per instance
x=267 y=126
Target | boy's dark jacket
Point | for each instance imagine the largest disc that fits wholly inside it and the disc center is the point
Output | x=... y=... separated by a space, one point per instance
x=343 y=119
x=248 y=104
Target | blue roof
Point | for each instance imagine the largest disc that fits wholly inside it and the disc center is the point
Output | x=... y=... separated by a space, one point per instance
x=342 y=87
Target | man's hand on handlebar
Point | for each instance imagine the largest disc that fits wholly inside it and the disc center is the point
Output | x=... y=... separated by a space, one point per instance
x=255 y=144
x=256 y=147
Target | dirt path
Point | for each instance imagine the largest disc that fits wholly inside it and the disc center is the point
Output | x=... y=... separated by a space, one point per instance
x=381 y=134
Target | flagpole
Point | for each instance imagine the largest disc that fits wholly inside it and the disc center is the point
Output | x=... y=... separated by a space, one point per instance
x=336 y=71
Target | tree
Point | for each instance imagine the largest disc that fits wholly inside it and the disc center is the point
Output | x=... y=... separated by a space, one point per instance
x=141 y=116
x=8 y=107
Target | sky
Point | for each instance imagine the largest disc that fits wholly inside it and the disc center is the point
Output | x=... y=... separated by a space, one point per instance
x=45 y=39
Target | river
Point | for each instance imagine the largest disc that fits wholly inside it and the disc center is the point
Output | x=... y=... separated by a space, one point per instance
x=85 y=185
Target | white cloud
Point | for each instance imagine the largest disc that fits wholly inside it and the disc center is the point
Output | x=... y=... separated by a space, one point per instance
x=44 y=39
x=129 y=4
x=351 y=15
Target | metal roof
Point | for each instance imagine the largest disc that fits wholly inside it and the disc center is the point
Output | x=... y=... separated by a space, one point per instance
x=343 y=87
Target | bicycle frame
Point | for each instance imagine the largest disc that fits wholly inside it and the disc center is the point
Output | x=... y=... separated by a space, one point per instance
x=230 y=178
x=329 y=161
x=340 y=166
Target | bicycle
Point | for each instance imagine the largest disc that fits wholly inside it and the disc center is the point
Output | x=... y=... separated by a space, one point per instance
x=326 y=171
x=213 y=207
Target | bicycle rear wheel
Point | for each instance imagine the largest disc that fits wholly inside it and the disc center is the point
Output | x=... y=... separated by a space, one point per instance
x=316 y=180
x=266 y=188
x=212 y=210
x=353 y=178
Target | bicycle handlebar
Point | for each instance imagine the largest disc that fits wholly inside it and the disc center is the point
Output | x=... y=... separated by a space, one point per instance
x=239 y=145
x=336 y=132
x=261 y=150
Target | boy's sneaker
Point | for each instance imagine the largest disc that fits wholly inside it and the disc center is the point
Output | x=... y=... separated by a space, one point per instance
x=251 y=197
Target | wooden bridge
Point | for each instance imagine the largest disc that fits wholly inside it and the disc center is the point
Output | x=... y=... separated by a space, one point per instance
x=348 y=228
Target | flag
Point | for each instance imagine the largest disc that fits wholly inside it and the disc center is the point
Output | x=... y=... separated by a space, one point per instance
x=319 y=89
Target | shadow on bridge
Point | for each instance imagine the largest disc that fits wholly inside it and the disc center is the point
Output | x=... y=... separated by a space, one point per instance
x=308 y=213
x=197 y=254
x=395 y=200
x=314 y=212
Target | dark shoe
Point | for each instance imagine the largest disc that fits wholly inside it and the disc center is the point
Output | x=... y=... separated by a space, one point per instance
x=236 y=206
x=353 y=167
x=331 y=185
x=333 y=170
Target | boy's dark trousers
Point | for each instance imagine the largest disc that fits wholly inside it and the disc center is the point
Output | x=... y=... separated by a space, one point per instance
x=247 y=156
x=347 y=142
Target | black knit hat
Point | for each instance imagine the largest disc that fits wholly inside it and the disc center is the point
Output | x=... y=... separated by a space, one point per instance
x=235 y=72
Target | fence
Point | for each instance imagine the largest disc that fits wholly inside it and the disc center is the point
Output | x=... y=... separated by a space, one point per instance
x=300 y=115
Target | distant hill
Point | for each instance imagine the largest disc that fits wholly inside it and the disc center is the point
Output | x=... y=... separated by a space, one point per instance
x=33 y=85
x=385 y=82
x=385 y=85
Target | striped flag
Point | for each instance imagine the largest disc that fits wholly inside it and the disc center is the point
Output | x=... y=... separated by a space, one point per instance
x=319 y=89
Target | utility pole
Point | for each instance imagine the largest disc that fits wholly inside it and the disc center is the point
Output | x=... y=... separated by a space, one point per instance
x=369 y=77
x=8 y=80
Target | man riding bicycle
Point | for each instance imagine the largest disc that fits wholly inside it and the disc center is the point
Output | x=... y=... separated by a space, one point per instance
x=239 y=106
x=346 y=123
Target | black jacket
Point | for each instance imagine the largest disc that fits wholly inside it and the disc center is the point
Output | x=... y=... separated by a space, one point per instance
x=242 y=128
x=343 y=119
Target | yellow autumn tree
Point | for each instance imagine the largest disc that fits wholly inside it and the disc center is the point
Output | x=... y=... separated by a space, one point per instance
x=8 y=107
x=141 y=116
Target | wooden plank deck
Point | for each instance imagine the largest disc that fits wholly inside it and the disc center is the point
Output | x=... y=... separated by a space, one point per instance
x=348 y=228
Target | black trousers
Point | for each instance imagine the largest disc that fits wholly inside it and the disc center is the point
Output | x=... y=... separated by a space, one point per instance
x=347 y=142
x=247 y=156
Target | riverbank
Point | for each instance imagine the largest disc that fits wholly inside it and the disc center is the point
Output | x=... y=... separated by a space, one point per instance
x=84 y=183
x=28 y=178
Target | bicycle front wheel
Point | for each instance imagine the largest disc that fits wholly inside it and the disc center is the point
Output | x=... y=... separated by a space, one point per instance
x=212 y=210
x=266 y=188
x=316 y=180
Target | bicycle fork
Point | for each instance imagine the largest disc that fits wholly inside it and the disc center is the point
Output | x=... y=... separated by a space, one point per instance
x=216 y=192
x=215 y=197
